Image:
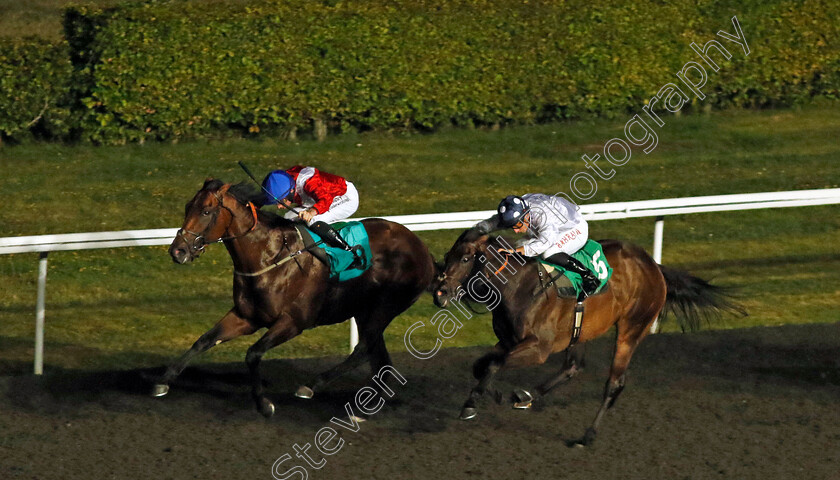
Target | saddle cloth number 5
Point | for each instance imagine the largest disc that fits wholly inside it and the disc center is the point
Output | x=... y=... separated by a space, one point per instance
x=600 y=266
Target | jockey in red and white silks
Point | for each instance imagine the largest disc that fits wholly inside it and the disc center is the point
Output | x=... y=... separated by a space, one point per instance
x=325 y=197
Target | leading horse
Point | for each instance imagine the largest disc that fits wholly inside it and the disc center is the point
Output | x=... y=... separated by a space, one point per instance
x=287 y=293
x=531 y=321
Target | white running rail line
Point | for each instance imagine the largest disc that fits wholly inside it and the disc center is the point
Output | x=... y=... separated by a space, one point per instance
x=43 y=244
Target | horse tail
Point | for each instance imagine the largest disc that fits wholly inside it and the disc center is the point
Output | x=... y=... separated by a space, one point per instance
x=691 y=299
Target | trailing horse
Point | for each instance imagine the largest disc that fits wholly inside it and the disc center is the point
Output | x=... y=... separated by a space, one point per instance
x=278 y=288
x=532 y=322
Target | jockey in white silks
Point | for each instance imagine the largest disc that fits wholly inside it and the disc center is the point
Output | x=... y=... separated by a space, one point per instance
x=555 y=230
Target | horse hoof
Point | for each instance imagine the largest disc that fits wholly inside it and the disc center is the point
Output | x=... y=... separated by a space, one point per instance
x=304 y=392
x=266 y=408
x=160 y=390
x=523 y=398
x=468 y=413
x=587 y=439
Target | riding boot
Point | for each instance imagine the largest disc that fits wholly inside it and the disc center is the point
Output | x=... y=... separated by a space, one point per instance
x=590 y=281
x=331 y=237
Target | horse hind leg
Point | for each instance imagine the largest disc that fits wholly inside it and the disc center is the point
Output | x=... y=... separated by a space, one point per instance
x=371 y=347
x=625 y=346
x=227 y=328
x=360 y=353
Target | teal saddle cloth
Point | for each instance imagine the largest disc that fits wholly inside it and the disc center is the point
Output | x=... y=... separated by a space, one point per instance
x=337 y=259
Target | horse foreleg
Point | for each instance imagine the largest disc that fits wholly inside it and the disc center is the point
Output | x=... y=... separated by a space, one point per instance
x=484 y=369
x=229 y=327
x=532 y=351
x=283 y=330
x=571 y=367
x=527 y=352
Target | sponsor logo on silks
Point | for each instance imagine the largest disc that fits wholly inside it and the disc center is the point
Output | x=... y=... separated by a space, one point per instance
x=569 y=236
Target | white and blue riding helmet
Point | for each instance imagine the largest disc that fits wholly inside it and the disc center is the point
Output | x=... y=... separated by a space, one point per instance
x=512 y=210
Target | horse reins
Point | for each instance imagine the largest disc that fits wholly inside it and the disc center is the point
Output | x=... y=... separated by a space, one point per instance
x=467 y=301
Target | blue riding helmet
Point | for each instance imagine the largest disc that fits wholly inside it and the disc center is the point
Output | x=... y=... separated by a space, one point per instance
x=512 y=210
x=278 y=184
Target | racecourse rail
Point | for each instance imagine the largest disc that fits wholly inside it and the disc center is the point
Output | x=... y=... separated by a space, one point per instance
x=43 y=244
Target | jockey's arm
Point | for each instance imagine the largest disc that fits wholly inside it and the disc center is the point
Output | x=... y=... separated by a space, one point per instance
x=323 y=197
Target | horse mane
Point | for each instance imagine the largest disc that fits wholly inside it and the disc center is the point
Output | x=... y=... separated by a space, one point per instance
x=484 y=227
x=248 y=192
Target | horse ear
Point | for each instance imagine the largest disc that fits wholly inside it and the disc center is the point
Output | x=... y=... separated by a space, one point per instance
x=224 y=189
x=207 y=181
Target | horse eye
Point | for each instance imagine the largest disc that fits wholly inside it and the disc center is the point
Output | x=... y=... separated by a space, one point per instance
x=206 y=212
x=465 y=259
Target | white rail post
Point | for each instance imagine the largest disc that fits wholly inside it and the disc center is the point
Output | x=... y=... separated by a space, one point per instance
x=39 y=314
x=658 y=230
x=354 y=334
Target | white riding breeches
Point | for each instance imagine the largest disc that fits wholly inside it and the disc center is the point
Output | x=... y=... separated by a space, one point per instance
x=342 y=207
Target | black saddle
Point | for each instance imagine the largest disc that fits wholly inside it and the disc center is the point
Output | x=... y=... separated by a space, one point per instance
x=310 y=244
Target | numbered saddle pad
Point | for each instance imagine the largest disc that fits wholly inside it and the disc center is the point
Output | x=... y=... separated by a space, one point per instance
x=592 y=257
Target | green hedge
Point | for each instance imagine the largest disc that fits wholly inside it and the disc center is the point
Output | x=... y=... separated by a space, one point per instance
x=35 y=77
x=170 y=69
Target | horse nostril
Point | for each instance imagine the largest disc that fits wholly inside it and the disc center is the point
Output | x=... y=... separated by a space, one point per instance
x=179 y=255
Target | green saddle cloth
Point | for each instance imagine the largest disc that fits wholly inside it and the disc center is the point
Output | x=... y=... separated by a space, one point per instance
x=339 y=260
x=592 y=257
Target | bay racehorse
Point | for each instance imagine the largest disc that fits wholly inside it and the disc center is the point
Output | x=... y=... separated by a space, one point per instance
x=532 y=321
x=287 y=293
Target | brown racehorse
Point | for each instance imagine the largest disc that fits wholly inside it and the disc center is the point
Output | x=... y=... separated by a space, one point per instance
x=290 y=297
x=532 y=322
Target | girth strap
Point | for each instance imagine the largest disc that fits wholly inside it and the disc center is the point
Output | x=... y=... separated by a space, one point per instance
x=578 y=325
x=275 y=264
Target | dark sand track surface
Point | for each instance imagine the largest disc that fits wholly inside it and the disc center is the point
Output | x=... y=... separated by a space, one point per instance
x=760 y=403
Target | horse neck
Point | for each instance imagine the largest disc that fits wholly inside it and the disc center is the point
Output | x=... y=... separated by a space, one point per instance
x=251 y=246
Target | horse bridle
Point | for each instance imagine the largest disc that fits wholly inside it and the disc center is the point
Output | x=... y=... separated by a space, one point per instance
x=473 y=272
x=199 y=240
